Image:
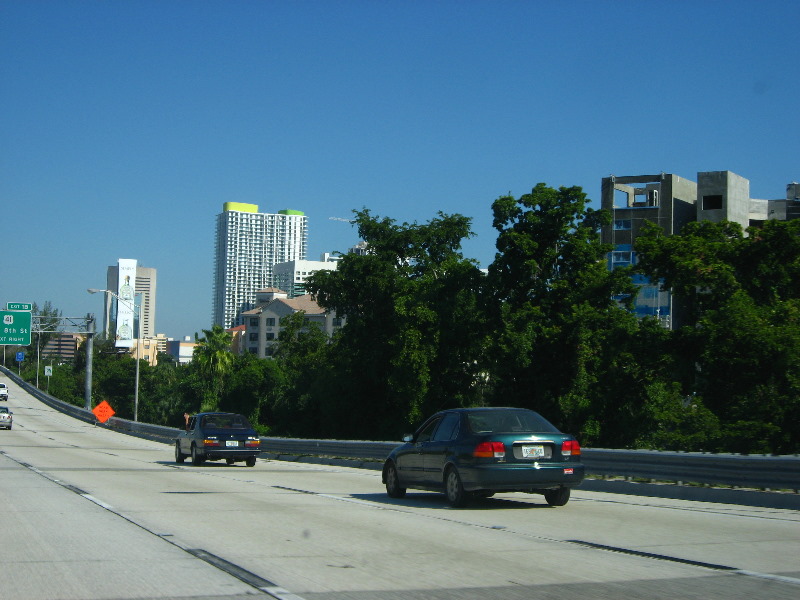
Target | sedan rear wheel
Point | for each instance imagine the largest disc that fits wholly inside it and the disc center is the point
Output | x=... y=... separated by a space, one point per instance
x=251 y=461
x=393 y=489
x=196 y=458
x=456 y=495
x=179 y=456
x=557 y=497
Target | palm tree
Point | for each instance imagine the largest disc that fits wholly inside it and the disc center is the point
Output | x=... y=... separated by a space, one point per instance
x=214 y=360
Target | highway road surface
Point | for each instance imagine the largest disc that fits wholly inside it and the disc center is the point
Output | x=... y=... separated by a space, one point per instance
x=91 y=514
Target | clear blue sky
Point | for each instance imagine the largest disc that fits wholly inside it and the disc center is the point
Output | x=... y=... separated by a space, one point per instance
x=124 y=125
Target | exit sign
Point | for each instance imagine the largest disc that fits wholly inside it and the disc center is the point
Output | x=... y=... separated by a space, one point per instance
x=19 y=306
x=15 y=328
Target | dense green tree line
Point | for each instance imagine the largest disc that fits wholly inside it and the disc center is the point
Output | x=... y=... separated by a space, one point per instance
x=547 y=328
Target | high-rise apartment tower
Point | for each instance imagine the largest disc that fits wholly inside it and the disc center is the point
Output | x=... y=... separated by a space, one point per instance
x=248 y=245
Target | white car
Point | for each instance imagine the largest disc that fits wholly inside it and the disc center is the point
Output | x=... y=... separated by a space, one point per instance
x=3 y=391
x=5 y=417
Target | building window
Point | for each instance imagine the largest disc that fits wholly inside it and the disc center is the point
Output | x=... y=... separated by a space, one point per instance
x=253 y=350
x=712 y=202
x=270 y=336
x=337 y=322
x=254 y=322
x=621 y=258
x=270 y=322
x=622 y=224
x=253 y=337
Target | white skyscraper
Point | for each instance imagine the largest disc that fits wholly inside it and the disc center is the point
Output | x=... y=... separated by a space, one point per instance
x=248 y=244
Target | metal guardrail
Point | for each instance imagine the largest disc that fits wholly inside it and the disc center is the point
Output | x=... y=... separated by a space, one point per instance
x=745 y=471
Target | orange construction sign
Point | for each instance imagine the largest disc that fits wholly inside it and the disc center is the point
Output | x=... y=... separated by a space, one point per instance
x=103 y=411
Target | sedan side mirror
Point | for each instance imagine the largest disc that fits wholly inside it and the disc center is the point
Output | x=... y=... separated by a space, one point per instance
x=409 y=437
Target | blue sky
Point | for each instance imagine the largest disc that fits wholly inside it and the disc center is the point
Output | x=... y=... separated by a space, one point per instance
x=126 y=125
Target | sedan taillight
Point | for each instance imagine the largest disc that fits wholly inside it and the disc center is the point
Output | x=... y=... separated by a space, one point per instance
x=489 y=450
x=252 y=442
x=212 y=441
x=570 y=448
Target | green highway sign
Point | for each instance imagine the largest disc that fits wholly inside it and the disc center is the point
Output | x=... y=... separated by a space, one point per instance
x=15 y=328
x=18 y=306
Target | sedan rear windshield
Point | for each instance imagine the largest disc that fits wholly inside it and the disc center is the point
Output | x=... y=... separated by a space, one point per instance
x=511 y=420
x=226 y=422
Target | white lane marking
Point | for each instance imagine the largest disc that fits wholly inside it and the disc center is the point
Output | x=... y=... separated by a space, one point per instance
x=98 y=502
x=770 y=576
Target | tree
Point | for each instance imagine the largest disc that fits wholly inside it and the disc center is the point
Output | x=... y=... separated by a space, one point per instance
x=161 y=397
x=252 y=384
x=214 y=359
x=399 y=347
x=698 y=264
x=552 y=306
x=743 y=338
x=302 y=406
x=748 y=373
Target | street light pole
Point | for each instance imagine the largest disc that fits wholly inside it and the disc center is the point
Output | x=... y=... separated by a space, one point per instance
x=87 y=390
x=136 y=310
x=136 y=385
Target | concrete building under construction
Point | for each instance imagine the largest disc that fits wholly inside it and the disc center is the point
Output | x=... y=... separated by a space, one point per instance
x=670 y=201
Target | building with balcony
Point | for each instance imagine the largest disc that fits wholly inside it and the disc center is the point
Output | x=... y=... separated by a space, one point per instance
x=263 y=323
x=248 y=244
x=62 y=347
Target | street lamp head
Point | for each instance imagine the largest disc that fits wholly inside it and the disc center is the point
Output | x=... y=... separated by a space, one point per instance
x=95 y=290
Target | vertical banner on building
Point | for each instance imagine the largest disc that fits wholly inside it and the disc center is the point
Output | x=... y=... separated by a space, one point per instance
x=126 y=285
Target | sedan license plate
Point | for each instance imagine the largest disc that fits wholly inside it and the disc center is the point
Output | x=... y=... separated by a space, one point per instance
x=232 y=443
x=533 y=451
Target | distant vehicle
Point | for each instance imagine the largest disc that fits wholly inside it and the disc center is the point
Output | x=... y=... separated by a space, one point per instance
x=3 y=391
x=217 y=436
x=476 y=452
x=6 y=420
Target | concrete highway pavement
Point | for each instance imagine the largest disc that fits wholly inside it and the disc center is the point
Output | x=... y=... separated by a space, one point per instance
x=92 y=514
